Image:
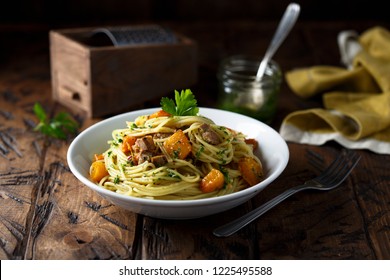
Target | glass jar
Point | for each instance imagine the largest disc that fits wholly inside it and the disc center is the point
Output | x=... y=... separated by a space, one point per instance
x=240 y=92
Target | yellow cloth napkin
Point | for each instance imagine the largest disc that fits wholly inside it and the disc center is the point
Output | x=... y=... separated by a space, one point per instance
x=356 y=101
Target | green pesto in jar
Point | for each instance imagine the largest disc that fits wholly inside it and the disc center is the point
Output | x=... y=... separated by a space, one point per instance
x=240 y=92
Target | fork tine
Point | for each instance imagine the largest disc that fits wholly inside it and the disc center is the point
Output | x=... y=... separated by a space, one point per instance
x=335 y=165
x=315 y=160
x=352 y=161
x=339 y=170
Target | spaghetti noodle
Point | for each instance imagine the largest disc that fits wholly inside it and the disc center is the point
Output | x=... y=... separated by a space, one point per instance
x=172 y=157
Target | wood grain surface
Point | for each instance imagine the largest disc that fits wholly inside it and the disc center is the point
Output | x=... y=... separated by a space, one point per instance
x=46 y=213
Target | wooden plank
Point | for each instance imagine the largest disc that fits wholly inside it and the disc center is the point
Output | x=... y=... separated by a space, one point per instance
x=73 y=222
x=20 y=161
x=371 y=188
x=193 y=239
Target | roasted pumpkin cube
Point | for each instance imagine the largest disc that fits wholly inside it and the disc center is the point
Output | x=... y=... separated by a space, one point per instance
x=127 y=143
x=158 y=114
x=251 y=170
x=98 y=171
x=214 y=180
x=178 y=145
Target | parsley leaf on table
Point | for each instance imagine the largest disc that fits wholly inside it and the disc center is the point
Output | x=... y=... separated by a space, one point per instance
x=186 y=104
x=58 y=127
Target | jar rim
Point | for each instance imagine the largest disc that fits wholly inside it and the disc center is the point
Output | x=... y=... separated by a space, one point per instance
x=232 y=68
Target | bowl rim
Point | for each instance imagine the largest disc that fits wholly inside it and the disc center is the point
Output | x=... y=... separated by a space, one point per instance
x=176 y=203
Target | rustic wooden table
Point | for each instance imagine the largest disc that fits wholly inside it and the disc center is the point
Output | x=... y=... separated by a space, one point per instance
x=46 y=213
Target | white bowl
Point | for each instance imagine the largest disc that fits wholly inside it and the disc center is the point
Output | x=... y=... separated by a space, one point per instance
x=272 y=151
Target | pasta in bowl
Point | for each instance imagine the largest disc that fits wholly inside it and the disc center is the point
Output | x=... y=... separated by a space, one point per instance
x=178 y=167
x=159 y=156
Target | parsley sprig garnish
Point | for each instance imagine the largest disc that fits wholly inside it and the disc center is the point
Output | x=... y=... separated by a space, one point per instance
x=186 y=104
x=58 y=127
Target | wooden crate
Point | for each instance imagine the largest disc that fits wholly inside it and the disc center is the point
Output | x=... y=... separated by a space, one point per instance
x=103 y=79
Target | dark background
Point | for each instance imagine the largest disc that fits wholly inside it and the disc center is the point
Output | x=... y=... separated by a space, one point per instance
x=24 y=20
x=25 y=25
x=52 y=13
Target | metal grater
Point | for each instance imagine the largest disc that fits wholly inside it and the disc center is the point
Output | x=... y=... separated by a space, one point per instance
x=131 y=35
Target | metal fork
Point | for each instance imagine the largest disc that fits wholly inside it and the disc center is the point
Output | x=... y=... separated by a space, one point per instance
x=332 y=177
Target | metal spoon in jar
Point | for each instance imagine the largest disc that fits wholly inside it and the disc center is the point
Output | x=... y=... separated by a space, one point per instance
x=288 y=20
